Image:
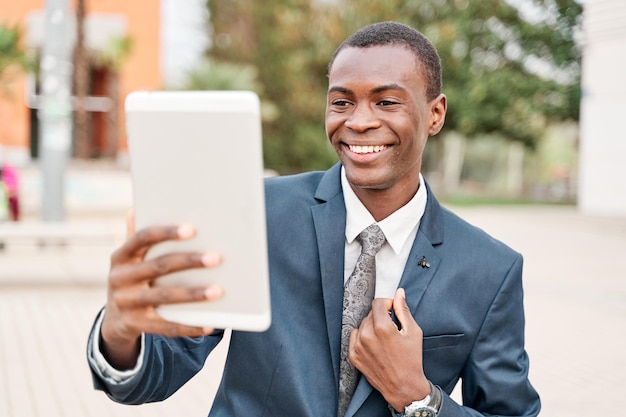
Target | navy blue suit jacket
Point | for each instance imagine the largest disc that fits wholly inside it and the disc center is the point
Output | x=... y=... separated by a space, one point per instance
x=468 y=303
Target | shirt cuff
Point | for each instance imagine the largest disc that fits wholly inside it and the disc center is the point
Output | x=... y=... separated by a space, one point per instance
x=99 y=363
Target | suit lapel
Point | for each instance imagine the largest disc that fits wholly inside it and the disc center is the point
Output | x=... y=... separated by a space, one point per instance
x=329 y=217
x=424 y=259
x=420 y=269
x=415 y=278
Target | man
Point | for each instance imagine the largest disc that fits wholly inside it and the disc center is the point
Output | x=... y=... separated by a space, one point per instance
x=448 y=300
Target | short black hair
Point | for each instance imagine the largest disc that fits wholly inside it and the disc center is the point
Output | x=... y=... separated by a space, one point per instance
x=393 y=33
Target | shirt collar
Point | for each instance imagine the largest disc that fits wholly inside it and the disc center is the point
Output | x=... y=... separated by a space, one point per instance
x=396 y=227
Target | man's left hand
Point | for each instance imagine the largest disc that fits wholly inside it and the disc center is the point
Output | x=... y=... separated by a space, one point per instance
x=391 y=358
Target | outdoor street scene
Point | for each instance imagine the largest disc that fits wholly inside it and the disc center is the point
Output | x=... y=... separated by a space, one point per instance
x=532 y=151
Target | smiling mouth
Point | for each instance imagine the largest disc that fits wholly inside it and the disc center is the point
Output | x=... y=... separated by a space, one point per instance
x=367 y=149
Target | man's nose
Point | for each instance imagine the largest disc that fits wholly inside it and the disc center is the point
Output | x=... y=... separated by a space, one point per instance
x=362 y=118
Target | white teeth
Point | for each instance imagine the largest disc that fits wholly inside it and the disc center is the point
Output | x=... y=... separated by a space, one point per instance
x=367 y=149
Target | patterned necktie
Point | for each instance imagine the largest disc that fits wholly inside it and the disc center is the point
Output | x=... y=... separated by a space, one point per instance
x=357 y=302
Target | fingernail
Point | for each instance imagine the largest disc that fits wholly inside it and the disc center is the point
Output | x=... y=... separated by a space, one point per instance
x=210 y=259
x=185 y=231
x=213 y=292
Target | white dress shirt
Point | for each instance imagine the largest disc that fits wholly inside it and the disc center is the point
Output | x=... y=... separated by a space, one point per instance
x=400 y=228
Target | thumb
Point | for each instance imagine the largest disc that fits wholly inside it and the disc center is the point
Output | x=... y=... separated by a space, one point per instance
x=401 y=310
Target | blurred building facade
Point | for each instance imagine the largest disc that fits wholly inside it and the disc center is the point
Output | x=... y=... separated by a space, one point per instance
x=602 y=175
x=110 y=77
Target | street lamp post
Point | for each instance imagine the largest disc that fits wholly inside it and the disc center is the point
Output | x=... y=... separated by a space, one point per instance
x=55 y=110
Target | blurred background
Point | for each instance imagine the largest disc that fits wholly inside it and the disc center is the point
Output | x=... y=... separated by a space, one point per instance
x=517 y=129
x=533 y=151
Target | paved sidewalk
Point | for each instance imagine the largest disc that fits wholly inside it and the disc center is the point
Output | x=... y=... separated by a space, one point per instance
x=575 y=283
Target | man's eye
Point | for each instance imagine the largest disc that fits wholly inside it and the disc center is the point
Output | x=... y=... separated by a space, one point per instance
x=340 y=103
x=386 y=103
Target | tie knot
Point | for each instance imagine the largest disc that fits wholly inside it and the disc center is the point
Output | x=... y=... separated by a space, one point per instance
x=371 y=239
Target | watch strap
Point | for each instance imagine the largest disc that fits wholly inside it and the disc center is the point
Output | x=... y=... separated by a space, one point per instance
x=434 y=403
x=436 y=397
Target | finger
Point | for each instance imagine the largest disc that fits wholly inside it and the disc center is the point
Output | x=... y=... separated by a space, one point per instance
x=378 y=321
x=401 y=310
x=138 y=243
x=162 y=265
x=353 y=341
x=156 y=296
x=381 y=309
x=381 y=306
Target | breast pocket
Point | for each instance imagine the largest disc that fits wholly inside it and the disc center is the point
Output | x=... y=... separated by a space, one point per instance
x=443 y=358
x=442 y=341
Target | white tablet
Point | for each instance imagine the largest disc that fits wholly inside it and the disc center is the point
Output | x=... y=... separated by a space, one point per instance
x=196 y=157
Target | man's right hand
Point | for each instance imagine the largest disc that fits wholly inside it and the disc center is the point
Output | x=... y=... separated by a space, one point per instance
x=132 y=297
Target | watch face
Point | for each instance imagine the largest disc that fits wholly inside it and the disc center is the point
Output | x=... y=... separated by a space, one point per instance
x=423 y=412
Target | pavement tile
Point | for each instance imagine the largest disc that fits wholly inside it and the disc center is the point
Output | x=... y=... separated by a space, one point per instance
x=42 y=361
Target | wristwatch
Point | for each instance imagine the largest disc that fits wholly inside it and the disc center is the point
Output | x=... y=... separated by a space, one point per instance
x=428 y=407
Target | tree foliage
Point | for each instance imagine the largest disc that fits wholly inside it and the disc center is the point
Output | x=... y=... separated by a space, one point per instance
x=507 y=69
x=12 y=55
x=276 y=37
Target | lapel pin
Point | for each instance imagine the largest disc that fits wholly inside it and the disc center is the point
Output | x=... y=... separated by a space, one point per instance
x=423 y=262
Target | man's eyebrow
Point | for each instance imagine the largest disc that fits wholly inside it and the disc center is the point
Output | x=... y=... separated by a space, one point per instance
x=387 y=87
x=376 y=90
x=337 y=89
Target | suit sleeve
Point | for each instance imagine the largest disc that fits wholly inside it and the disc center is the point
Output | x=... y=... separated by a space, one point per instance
x=168 y=363
x=495 y=377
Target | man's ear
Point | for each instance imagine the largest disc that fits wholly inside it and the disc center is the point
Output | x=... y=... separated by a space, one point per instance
x=438 y=108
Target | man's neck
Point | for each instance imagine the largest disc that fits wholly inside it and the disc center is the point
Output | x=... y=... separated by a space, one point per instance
x=382 y=203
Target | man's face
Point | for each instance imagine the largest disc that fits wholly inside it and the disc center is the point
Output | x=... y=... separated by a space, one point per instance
x=378 y=117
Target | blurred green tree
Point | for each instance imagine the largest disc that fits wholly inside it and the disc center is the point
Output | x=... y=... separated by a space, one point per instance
x=508 y=67
x=281 y=39
x=12 y=55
